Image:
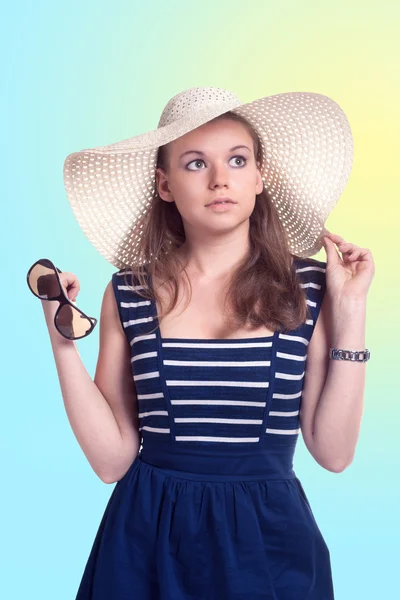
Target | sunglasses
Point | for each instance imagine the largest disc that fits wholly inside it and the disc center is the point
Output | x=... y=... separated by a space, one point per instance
x=44 y=282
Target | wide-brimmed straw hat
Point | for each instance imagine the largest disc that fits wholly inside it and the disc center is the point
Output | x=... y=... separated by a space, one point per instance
x=307 y=156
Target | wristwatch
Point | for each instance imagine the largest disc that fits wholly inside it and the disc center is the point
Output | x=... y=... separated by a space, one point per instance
x=354 y=355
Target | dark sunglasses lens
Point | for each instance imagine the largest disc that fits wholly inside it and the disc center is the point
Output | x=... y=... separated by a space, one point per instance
x=44 y=282
x=71 y=322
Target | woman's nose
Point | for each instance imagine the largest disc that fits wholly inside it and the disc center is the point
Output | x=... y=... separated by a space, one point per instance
x=219 y=175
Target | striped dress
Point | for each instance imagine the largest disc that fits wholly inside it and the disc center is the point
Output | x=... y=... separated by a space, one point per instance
x=211 y=508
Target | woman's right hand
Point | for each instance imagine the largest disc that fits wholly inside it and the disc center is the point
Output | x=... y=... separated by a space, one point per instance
x=70 y=285
x=49 y=284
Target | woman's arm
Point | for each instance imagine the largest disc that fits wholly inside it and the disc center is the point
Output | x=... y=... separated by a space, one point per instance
x=103 y=412
x=333 y=393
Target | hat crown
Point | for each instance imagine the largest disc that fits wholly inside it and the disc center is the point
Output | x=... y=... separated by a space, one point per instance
x=183 y=104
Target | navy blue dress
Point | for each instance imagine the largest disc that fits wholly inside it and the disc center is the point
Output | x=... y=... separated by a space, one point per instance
x=211 y=508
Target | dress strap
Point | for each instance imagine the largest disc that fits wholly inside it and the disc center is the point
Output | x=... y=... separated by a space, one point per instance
x=312 y=276
x=134 y=310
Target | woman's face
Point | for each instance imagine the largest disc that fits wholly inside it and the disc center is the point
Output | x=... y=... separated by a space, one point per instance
x=202 y=166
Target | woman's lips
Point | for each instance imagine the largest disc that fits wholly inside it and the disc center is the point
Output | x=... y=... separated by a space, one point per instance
x=221 y=206
x=221 y=199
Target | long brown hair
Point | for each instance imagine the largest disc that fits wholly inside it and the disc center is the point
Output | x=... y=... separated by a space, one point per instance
x=262 y=290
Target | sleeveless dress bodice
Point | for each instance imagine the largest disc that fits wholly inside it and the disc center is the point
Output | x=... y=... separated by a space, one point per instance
x=211 y=508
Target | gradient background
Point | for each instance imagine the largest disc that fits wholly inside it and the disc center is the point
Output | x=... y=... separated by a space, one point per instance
x=81 y=74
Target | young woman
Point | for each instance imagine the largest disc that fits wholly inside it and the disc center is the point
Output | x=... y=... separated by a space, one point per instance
x=218 y=339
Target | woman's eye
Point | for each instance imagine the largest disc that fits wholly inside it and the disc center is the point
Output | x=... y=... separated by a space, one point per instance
x=240 y=158
x=199 y=160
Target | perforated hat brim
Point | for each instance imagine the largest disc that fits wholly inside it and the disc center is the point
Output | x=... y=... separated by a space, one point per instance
x=307 y=156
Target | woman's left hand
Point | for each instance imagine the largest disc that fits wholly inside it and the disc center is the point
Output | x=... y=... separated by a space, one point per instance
x=351 y=274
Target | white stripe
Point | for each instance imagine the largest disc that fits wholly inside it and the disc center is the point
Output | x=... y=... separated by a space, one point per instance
x=130 y=288
x=216 y=363
x=309 y=322
x=311 y=302
x=284 y=431
x=125 y=272
x=317 y=286
x=287 y=396
x=216 y=345
x=303 y=269
x=289 y=376
x=153 y=412
x=144 y=355
x=155 y=429
x=219 y=402
x=137 y=321
x=207 y=438
x=134 y=304
x=278 y=413
x=150 y=375
x=214 y=420
x=140 y=338
x=150 y=396
x=251 y=384
x=291 y=356
x=293 y=338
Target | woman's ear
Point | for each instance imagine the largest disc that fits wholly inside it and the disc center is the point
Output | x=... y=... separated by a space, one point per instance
x=162 y=185
x=259 y=182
